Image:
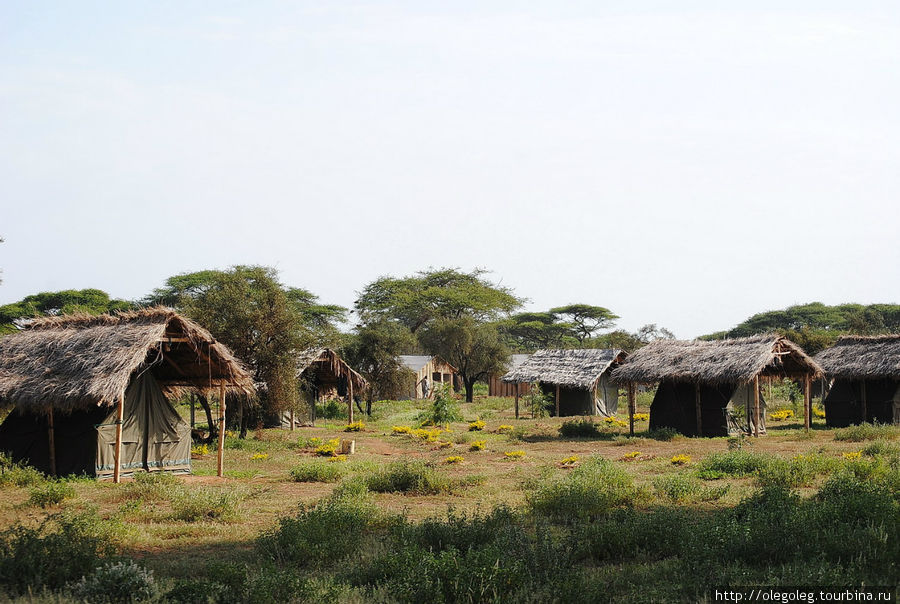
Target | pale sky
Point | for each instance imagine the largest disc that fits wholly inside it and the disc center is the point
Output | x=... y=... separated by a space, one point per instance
x=681 y=163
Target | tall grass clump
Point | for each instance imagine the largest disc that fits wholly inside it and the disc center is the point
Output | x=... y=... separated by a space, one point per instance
x=51 y=493
x=413 y=477
x=679 y=488
x=579 y=428
x=317 y=471
x=866 y=431
x=61 y=549
x=152 y=486
x=206 y=504
x=664 y=434
x=735 y=463
x=18 y=474
x=590 y=490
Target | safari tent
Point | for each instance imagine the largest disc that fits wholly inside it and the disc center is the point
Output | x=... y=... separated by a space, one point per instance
x=89 y=394
x=323 y=374
x=578 y=380
x=496 y=385
x=711 y=388
x=866 y=374
x=434 y=368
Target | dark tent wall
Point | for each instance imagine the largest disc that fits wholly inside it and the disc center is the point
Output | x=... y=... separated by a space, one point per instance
x=154 y=437
x=572 y=401
x=843 y=404
x=674 y=406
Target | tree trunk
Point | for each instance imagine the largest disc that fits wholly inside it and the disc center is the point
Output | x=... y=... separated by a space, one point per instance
x=470 y=389
x=213 y=432
x=369 y=407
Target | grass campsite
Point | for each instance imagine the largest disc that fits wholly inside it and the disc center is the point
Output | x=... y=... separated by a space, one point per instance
x=484 y=507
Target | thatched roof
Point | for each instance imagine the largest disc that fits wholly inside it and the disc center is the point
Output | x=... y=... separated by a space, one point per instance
x=76 y=361
x=857 y=357
x=735 y=361
x=328 y=360
x=575 y=368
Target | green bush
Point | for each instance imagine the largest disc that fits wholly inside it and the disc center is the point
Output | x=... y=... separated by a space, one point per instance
x=664 y=434
x=116 y=582
x=444 y=409
x=413 y=477
x=206 y=503
x=51 y=493
x=579 y=428
x=331 y=410
x=735 y=463
x=679 y=488
x=62 y=549
x=151 y=486
x=882 y=448
x=319 y=534
x=317 y=471
x=866 y=431
x=18 y=474
x=590 y=490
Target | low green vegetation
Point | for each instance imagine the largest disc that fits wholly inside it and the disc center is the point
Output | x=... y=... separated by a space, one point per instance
x=866 y=431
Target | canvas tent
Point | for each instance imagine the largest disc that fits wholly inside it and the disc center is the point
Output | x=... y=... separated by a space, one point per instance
x=435 y=369
x=324 y=374
x=578 y=380
x=89 y=393
x=711 y=388
x=496 y=385
x=866 y=374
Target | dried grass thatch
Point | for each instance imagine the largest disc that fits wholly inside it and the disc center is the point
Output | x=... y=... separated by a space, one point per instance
x=734 y=361
x=858 y=357
x=574 y=368
x=76 y=361
x=328 y=360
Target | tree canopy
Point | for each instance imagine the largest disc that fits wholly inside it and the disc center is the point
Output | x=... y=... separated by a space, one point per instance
x=91 y=301
x=570 y=326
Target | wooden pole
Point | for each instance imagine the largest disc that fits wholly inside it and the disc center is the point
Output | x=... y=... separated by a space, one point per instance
x=557 y=400
x=698 y=409
x=120 y=415
x=350 y=401
x=807 y=402
x=52 y=442
x=193 y=415
x=292 y=420
x=220 y=458
x=631 y=407
x=756 y=405
x=517 y=400
x=862 y=400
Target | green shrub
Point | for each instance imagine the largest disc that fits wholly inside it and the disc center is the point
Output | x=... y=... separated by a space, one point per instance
x=592 y=489
x=317 y=471
x=735 y=463
x=679 y=488
x=116 y=582
x=579 y=428
x=866 y=431
x=206 y=503
x=151 y=486
x=413 y=477
x=882 y=448
x=663 y=434
x=444 y=409
x=331 y=410
x=62 y=549
x=51 y=493
x=318 y=535
x=18 y=474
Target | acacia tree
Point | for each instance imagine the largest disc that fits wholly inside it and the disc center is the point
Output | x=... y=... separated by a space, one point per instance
x=474 y=348
x=373 y=351
x=584 y=320
x=90 y=301
x=570 y=326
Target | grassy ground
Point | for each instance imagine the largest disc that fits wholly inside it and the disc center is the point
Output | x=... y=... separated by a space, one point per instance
x=178 y=527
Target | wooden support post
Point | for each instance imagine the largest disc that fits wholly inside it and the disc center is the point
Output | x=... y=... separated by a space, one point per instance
x=292 y=420
x=756 y=405
x=807 y=402
x=193 y=414
x=350 y=401
x=517 y=400
x=698 y=409
x=52 y=442
x=220 y=458
x=557 y=400
x=631 y=407
x=120 y=415
x=862 y=400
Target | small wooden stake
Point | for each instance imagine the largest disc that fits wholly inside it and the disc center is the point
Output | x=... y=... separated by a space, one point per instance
x=807 y=402
x=862 y=400
x=698 y=410
x=120 y=415
x=517 y=400
x=631 y=407
x=52 y=442
x=756 y=405
x=220 y=458
x=557 y=400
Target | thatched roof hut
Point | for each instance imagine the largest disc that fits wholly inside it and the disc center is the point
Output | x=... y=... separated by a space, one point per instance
x=77 y=367
x=327 y=368
x=706 y=385
x=866 y=373
x=578 y=379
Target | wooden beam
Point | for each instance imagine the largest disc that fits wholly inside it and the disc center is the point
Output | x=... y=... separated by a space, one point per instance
x=862 y=400
x=517 y=400
x=173 y=340
x=220 y=457
x=52 y=442
x=807 y=402
x=120 y=415
x=756 y=405
x=557 y=400
x=631 y=408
